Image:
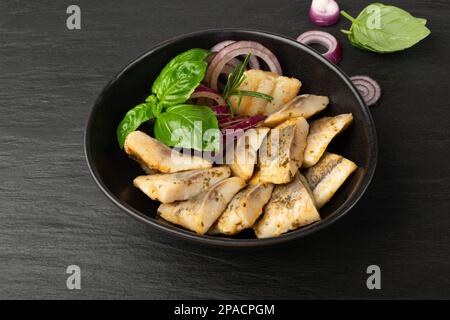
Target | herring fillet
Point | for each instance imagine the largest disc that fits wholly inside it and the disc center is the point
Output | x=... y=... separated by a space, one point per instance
x=282 y=89
x=199 y=213
x=170 y=187
x=290 y=207
x=243 y=210
x=305 y=105
x=245 y=154
x=321 y=132
x=281 y=154
x=153 y=154
x=326 y=177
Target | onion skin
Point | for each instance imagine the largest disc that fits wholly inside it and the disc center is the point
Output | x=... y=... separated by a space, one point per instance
x=368 y=88
x=334 y=51
x=324 y=12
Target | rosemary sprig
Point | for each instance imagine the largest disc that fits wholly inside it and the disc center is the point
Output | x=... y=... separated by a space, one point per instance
x=235 y=79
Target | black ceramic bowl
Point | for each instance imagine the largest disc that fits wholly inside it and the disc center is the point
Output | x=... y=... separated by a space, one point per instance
x=114 y=172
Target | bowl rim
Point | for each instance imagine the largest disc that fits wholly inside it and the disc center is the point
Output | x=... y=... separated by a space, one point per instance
x=235 y=242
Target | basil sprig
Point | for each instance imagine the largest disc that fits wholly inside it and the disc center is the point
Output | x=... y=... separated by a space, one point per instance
x=170 y=90
x=381 y=28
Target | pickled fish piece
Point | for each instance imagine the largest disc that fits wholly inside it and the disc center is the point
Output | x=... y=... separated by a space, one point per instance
x=321 y=132
x=245 y=153
x=199 y=213
x=285 y=90
x=290 y=207
x=282 y=89
x=256 y=178
x=327 y=176
x=153 y=154
x=282 y=152
x=170 y=187
x=243 y=210
x=305 y=105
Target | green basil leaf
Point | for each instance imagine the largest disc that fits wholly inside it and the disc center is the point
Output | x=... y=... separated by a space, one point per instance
x=422 y=21
x=188 y=67
x=381 y=28
x=133 y=119
x=195 y=54
x=188 y=126
x=176 y=86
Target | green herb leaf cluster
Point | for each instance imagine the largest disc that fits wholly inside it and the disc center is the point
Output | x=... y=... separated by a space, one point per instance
x=383 y=29
x=173 y=86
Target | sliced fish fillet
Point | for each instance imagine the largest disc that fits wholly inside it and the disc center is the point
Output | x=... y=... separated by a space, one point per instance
x=199 y=213
x=321 y=132
x=256 y=178
x=282 y=89
x=290 y=207
x=170 y=187
x=243 y=210
x=245 y=152
x=153 y=154
x=327 y=176
x=305 y=106
x=282 y=152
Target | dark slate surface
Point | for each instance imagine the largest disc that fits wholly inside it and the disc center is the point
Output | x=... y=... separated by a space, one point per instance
x=53 y=215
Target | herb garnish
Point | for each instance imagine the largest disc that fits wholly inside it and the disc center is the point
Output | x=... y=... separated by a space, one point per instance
x=176 y=122
x=235 y=79
x=381 y=28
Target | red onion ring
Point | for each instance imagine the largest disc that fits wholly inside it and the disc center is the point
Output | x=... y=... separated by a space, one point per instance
x=222 y=115
x=233 y=131
x=228 y=68
x=324 y=12
x=368 y=88
x=334 y=52
x=220 y=45
x=220 y=109
x=253 y=61
x=225 y=122
x=205 y=92
x=248 y=123
x=234 y=50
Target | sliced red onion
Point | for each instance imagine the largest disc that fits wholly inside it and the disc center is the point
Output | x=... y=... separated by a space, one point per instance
x=225 y=122
x=220 y=109
x=202 y=88
x=205 y=92
x=222 y=115
x=246 y=124
x=253 y=62
x=219 y=46
x=368 y=88
x=324 y=12
x=334 y=52
x=234 y=50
